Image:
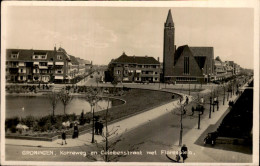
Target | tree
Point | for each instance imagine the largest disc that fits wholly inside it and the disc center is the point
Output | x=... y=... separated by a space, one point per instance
x=107 y=144
x=65 y=98
x=53 y=99
x=114 y=83
x=92 y=97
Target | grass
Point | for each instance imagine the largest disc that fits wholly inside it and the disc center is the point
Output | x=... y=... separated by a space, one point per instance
x=137 y=100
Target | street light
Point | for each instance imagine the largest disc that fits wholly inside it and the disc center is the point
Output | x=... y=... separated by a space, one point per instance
x=210 y=99
x=181 y=128
x=224 y=94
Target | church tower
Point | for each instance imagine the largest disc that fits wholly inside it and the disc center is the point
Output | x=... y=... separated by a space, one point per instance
x=168 y=47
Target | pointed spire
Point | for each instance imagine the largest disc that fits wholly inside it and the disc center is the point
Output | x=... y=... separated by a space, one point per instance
x=169 y=21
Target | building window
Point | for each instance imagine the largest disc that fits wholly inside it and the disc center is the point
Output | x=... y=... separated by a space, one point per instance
x=21 y=70
x=118 y=72
x=21 y=77
x=186 y=66
x=155 y=78
x=59 y=57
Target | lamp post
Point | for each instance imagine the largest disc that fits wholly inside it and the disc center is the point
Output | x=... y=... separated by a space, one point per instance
x=189 y=88
x=210 y=100
x=93 y=123
x=181 y=128
x=224 y=94
x=199 y=120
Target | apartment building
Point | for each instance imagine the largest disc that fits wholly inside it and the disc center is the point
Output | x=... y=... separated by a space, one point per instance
x=135 y=69
x=45 y=66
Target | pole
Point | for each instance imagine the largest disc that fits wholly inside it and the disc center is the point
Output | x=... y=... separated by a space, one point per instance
x=224 y=96
x=199 y=121
x=180 y=141
x=189 y=88
x=92 y=141
x=217 y=104
x=210 y=107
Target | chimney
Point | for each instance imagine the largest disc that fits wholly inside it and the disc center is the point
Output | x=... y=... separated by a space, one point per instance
x=158 y=59
x=55 y=48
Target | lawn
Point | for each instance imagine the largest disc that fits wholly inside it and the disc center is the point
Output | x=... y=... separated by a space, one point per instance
x=138 y=100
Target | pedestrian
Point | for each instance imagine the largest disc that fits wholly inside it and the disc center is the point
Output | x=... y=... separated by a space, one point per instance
x=63 y=137
x=184 y=152
x=76 y=131
x=201 y=100
x=101 y=128
x=192 y=110
x=187 y=100
x=96 y=128
x=184 y=111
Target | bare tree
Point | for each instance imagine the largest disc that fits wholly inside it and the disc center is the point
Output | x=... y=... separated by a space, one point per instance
x=93 y=95
x=65 y=98
x=114 y=83
x=53 y=99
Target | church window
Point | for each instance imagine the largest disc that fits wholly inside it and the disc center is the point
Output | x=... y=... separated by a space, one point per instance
x=186 y=66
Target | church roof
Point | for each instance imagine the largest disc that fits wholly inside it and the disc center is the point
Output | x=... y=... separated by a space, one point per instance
x=136 y=59
x=202 y=51
x=169 y=20
x=200 y=54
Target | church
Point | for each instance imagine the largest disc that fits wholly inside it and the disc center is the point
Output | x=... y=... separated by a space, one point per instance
x=185 y=64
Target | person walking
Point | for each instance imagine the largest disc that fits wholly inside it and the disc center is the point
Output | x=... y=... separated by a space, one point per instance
x=76 y=131
x=192 y=110
x=63 y=137
x=187 y=100
x=184 y=152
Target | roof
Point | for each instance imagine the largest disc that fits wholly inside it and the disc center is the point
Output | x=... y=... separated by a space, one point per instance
x=169 y=21
x=25 y=55
x=74 y=60
x=202 y=51
x=136 y=59
x=199 y=53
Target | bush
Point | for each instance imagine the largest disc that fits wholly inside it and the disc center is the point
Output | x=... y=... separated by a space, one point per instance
x=11 y=124
x=28 y=121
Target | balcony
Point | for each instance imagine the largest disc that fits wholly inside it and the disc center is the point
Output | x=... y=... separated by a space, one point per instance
x=43 y=67
x=21 y=64
x=12 y=66
x=59 y=63
x=50 y=63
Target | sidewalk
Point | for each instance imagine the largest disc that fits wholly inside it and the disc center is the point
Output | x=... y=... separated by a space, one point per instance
x=193 y=139
x=121 y=126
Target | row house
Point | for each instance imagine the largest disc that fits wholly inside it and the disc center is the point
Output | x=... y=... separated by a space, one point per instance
x=135 y=68
x=225 y=69
x=46 y=66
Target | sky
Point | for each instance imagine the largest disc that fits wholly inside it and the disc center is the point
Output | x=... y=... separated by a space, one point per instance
x=100 y=34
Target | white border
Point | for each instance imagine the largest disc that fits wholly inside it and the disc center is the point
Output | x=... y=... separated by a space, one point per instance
x=211 y=4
